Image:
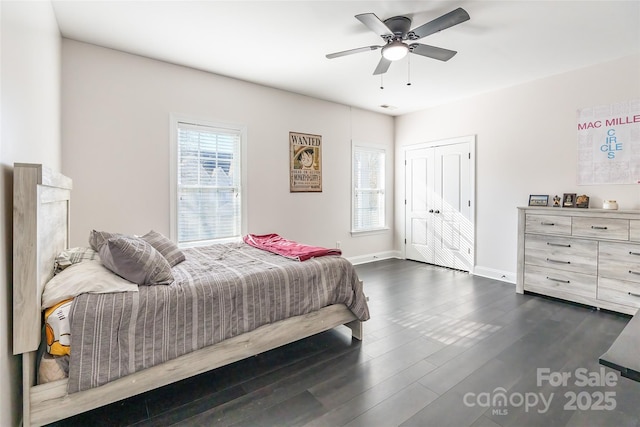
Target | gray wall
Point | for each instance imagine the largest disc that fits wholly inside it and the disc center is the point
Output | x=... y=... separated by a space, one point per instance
x=29 y=132
x=526 y=144
x=116 y=110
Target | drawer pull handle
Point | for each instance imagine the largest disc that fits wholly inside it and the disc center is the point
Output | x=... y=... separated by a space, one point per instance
x=558 y=261
x=634 y=253
x=597 y=227
x=560 y=245
x=634 y=272
x=633 y=295
x=558 y=280
x=547 y=223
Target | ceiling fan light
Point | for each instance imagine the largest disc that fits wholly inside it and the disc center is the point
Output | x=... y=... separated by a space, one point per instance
x=395 y=50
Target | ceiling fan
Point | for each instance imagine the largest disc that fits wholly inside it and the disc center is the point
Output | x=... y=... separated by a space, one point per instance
x=395 y=32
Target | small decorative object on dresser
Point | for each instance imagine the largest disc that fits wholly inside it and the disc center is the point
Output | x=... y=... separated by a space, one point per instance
x=556 y=201
x=610 y=204
x=569 y=200
x=582 y=201
x=538 y=200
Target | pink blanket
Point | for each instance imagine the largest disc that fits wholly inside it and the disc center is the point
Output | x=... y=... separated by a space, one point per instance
x=287 y=248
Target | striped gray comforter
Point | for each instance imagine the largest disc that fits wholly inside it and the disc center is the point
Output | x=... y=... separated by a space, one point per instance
x=220 y=291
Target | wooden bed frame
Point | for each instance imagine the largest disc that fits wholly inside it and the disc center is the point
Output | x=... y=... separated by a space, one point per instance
x=40 y=232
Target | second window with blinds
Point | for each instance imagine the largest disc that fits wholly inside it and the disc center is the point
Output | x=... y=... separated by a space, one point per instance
x=206 y=182
x=368 y=189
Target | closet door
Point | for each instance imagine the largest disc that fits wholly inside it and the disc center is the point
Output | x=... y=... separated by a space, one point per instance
x=419 y=205
x=439 y=221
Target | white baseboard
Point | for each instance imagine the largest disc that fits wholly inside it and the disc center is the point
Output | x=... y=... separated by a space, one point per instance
x=491 y=273
x=363 y=259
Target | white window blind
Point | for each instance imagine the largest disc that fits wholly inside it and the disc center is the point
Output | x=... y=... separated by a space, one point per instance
x=208 y=183
x=368 y=189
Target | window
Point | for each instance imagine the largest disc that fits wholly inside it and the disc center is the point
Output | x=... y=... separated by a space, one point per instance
x=207 y=182
x=368 y=189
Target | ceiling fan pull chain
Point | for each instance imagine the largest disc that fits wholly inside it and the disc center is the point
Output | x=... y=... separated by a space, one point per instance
x=381 y=81
x=409 y=70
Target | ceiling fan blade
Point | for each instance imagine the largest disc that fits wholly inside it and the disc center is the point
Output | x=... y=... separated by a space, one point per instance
x=432 y=51
x=382 y=67
x=447 y=20
x=351 y=51
x=374 y=24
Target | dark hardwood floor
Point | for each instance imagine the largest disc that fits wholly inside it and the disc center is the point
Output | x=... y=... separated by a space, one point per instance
x=442 y=348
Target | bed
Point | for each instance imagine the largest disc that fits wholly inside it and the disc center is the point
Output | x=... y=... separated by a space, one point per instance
x=41 y=229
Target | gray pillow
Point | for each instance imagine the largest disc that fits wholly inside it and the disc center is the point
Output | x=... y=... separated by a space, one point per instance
x=166 y=247
x=135 y=260
x=97 y=238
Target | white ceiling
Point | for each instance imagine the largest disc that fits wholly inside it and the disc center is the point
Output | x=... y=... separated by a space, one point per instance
x=282 y=44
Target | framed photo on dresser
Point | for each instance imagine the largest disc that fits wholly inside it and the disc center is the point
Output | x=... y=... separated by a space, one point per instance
x=538 y=200
x=569 y=200
x=582 y=201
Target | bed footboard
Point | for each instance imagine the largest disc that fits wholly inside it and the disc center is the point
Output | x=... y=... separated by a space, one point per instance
x=49 y=402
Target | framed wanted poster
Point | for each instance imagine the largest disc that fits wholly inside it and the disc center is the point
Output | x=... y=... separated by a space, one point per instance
x=305 y=162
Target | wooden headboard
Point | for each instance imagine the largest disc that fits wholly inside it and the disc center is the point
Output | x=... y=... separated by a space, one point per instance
x=40 y=231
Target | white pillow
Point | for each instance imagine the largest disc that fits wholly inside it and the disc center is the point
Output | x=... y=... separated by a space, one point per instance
x=84 y=277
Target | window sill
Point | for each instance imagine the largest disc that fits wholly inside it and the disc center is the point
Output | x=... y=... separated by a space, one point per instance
x=358 y=233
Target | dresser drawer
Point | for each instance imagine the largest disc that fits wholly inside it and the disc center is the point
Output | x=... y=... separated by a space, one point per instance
x=560 y=281
x=619 y=291
x=564 y=253
x=619 y=261
x=548 y=224
x=634 y=230
x=600 y=228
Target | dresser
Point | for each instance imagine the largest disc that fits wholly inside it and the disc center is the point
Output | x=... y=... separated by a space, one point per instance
x=588 y=256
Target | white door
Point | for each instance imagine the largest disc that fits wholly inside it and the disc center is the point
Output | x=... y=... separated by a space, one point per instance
x=439 y=208
x=419 y=205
